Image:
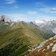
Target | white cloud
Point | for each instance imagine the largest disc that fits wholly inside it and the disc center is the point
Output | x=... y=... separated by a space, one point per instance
x=10 y=1
x=31 y=12
x=42 y=19
x=45 y=8
x=17 y=17
x=30 y=16
x=15 y=6
x=39 y=21
x=53 y=10
x=48 y=10
x=21 y=17
x=40 y=5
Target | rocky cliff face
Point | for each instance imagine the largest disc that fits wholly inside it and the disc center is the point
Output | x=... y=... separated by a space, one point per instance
x=46 y=48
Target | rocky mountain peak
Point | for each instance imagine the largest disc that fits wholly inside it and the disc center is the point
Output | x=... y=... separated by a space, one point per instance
x=4 y=18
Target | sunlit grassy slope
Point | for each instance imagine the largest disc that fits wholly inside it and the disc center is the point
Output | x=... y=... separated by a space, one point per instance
x=15 y=40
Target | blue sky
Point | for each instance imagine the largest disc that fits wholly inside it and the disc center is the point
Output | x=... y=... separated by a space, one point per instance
x=28 y=10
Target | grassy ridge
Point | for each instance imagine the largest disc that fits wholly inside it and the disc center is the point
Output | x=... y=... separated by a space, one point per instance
x=12 y=43
x=16 y=40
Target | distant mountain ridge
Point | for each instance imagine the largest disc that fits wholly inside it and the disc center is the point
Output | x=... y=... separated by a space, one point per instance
x=47 y=25
x=15 y=36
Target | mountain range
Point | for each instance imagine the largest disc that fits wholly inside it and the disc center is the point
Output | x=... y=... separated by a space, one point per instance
x=16 y=38
x=47 y=25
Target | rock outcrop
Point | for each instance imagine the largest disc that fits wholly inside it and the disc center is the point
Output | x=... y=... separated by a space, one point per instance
x=46 y=48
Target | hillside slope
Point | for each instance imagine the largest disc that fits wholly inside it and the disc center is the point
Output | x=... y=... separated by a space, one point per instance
x=15 y=40
x=46 y=48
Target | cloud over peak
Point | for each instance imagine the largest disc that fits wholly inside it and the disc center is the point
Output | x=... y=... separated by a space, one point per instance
x=10 y=1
